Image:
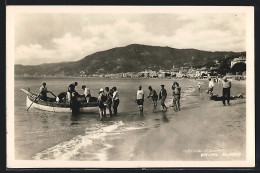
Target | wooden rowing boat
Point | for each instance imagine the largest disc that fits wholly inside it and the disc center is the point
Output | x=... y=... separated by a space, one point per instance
x=53 y=106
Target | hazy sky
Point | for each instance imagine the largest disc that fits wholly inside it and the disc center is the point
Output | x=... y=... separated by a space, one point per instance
x=46 y=38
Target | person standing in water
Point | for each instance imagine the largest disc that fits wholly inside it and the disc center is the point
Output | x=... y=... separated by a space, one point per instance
x=115 y=100
x=101 y=100
x=174 y=99
x=140 y=99
x=163 y=96
x=177 y=93
x=71 y=92
x=153 y=95
x=109 y=95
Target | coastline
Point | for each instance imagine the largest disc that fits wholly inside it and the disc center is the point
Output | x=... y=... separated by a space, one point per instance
x=202 y=130
x=130 y=136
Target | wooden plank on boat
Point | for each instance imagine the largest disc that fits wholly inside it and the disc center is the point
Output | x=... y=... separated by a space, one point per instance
x=27 y=92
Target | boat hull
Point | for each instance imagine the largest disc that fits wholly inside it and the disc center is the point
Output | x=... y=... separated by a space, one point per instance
x=66 y=108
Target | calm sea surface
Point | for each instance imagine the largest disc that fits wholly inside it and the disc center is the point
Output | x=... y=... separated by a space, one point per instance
x=46 y=135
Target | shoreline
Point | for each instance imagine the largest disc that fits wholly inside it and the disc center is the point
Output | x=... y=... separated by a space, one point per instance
x=215 y=133
x=137 y=137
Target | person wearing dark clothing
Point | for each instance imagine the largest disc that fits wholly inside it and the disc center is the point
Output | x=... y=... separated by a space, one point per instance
x=72 y=86
x=163 y=96
x=61 y=97
x=226 y=85
x=109 y=95
x=72 y=97
x=153 y=95
x=43 y=92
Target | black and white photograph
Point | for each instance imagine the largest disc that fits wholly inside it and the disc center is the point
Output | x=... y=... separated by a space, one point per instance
x=130 y=86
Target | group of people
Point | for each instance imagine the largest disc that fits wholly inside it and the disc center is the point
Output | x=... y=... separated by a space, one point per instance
x=107 y=98
x=226 y=86
x=176 y=94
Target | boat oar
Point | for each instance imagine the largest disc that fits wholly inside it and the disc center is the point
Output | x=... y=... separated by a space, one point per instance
x=52 y=94
x=33 y=102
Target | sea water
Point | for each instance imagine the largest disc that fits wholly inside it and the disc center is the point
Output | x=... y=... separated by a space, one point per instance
x=43 y=135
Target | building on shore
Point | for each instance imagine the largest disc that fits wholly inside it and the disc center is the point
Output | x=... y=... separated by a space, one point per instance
x=241 y=59
x=148 y=74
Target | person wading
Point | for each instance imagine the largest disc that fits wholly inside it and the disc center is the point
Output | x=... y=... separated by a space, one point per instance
x=163 y=96
x=140 y=99
x=115 y=100
x=72 y=97
x=71 y=90
x=109 y=95
x=176 y=93
x=153 y=95
x=101 y=103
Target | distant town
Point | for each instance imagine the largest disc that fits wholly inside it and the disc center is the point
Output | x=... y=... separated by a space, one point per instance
x=236 y=69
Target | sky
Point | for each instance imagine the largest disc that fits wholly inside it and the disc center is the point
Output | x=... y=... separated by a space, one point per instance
x=47 y=38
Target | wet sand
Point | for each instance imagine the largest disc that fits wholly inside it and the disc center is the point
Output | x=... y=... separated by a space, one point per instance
x=202 y=130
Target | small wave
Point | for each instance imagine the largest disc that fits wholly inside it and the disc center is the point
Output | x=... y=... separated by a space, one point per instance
x=66 y=150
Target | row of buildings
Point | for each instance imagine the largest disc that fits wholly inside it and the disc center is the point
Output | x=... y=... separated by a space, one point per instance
x=183 y=72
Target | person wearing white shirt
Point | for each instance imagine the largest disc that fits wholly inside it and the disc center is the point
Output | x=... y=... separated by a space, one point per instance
x=226 y=85
x=87 y=94
x=115 y=100
x=140 y=99
x=211 y=85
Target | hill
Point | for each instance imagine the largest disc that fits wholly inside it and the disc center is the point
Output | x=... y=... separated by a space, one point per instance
x=131 y=58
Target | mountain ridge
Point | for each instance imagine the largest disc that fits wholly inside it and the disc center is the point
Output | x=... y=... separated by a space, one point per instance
x=130 y=58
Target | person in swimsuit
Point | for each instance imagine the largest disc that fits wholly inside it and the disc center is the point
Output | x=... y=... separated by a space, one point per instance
x=140 y=99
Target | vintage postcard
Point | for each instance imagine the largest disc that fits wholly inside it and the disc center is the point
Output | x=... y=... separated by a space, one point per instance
x=130 y=86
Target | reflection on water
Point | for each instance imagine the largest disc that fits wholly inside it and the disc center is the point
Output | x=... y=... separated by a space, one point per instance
x=164 y=118
x=44 y=121
x=74 y=119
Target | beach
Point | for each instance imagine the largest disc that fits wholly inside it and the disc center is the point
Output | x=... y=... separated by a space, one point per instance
x=204 y=130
